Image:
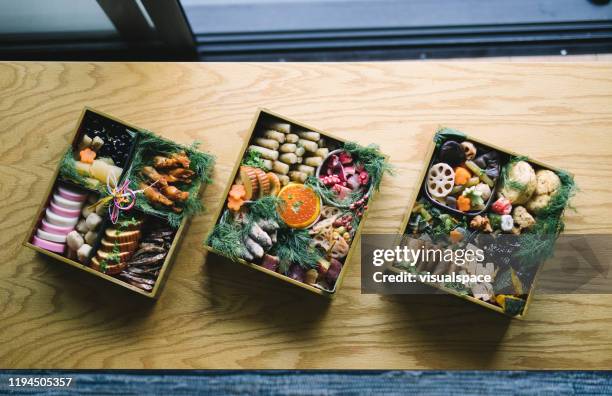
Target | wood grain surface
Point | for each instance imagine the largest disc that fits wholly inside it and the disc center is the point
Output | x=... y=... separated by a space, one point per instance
x=216 y=314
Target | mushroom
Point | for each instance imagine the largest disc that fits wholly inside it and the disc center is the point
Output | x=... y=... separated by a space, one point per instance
x=452 y=153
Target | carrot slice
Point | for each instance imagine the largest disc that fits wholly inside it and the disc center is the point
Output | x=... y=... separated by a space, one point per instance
x=237 y=191
x=87 y=155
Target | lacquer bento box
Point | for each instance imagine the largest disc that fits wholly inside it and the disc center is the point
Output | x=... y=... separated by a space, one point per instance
x=296 y=203
x=504 y=208
x=119 y=202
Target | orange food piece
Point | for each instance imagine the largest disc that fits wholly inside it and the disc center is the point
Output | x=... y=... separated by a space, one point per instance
x=275 y=184
x=464 y=203
x=456 y=236
x=237 y=191
x=235 y=198
x=235 y=204
x=301 y=205
x=462 y=175
x=263 y=182
x=87 y=155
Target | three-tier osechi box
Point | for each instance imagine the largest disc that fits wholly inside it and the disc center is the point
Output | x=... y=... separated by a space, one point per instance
x=502 y=208
x=119 y=202
x=296 y=202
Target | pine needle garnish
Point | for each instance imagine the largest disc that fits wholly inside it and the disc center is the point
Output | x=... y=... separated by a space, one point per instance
x=294 y=247
x=372 y=159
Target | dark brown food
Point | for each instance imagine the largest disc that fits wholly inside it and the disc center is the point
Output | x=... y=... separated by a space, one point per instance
x=452 y=153
x=145 y=265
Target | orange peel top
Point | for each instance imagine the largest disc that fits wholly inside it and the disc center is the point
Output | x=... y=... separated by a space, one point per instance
x=301 y=205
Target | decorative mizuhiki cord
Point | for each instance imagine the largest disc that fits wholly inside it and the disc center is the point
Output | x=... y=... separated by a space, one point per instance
x=122 y=196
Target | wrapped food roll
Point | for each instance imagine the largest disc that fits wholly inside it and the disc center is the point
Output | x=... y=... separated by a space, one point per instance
x=267 y=164
x=280 y=168
x=313 y=161
x=322 y=152
x=308 y=145
x=101 y=171
x=265 y=152
x=292 y=138
x=298 y=176
x=299 y=151
x=274 y=135
x=308 y=135
x=288 y=158
x=321 y=142
x=267 y=143
x=309 y=170
x=288 y=148
x=284 y=179
x=280 y=126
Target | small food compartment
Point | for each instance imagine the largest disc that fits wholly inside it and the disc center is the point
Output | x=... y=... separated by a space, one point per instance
x=68 y=226
x=120 y=200
x=463 y=176
x=169 y=176
x=100 y=154
x=296 y=202
x=501 y=207
x=134 y=249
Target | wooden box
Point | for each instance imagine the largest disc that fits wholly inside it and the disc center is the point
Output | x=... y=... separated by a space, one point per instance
x=323 y=278
x=137 y=251
x=548 y=222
